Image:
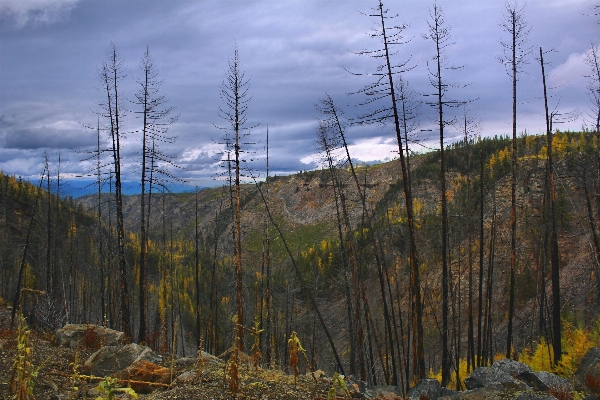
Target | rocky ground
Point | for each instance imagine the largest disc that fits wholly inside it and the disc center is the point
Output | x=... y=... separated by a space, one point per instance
x=74 y=369
x=55 y=379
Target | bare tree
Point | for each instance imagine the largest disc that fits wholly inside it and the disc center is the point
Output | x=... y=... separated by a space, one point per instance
x=327 y=142
x=515 y=56
x=409 y=111
x=556 y=323
x=24 y=254
x=155 y=121
x=111 y=75
x=235 y=95
x=439 y=34
x=382 y=89
x=593 y=60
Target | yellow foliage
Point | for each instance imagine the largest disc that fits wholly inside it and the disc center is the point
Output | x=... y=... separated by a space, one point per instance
x=530 y=141
x=575 y=343
x=492 y=163
x=560 y=144
x=539 y=359
x=504 y=155
x=29 y=279
x=418 y=206
x=324 y=245
x=320 y=265
x=462 y=372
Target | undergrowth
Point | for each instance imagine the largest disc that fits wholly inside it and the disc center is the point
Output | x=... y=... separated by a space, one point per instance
x=576 y=342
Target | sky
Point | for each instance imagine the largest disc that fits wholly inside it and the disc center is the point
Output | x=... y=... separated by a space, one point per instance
x=293 y=52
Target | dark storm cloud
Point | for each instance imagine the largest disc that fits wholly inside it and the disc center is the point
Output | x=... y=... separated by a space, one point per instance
x=292 y=53
x=46 y=138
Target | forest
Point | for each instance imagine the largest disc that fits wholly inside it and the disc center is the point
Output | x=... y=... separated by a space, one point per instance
x=431 y=264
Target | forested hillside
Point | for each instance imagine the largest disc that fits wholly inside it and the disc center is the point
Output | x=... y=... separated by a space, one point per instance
x=318 y=262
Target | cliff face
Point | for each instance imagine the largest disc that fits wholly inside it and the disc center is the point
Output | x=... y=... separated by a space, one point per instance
x=303 y=199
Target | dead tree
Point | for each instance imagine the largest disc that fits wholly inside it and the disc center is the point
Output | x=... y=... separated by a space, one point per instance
x=111 y=75
x=439 y=34
x=156 y=118
x=593 y=60
x=556 y=323
x=23 y=263
x=235 y=96
x=383 y=89
x=304 y=287
x=515 y=56
x=327 y=145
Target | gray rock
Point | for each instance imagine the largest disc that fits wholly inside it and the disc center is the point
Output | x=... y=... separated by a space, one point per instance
x=511 y=367
x=71 y=335
x=425 y=387
x=186 y=377
x=484 y=376
x=111 y=359
x=587 y=376
x=543 y=381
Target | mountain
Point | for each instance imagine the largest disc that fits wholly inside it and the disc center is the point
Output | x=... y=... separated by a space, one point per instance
x=346 y=281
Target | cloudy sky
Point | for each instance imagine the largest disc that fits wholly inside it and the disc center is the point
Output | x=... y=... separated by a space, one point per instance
x=292 y=51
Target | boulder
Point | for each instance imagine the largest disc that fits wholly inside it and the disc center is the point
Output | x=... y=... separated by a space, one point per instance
x=511 y=367
x=487 y=376
x=72 y=335
x=587 y=376
x=111 y=359
x=144 y=371
x=544 y=381
x=430 y=388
